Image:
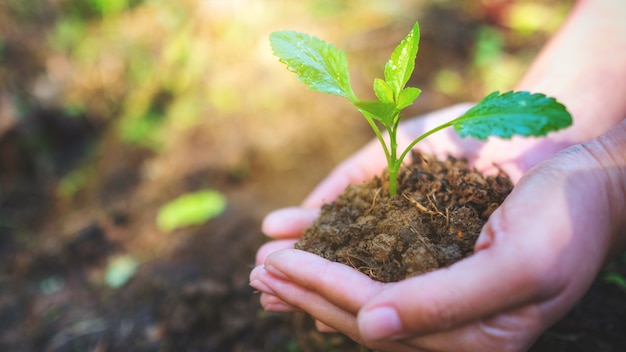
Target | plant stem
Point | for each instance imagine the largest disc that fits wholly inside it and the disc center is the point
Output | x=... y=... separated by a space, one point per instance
x=393 y=182
x=420 y=138
x=380 y=138
x=395 y=163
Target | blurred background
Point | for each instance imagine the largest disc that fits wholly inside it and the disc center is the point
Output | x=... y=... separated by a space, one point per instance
x=142 y=141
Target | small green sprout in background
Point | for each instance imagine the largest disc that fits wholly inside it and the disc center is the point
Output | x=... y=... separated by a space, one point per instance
x=324 y=68
x=120 y=269
x=611 y=273
x=615 y=278
x=191 y=209
x=51 y=285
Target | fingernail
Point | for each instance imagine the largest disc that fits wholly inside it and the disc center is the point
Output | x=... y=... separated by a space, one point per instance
x=261 y=286
x=379 y=323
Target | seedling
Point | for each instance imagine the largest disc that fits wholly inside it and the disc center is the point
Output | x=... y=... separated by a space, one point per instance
x=324 y=68
x=191 y=209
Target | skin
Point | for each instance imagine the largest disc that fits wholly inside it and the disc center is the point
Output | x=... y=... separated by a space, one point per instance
x=538 y=253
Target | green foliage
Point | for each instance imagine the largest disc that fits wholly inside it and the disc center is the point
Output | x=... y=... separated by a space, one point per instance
x=67 y=33
x=323 y=68
x=88 y=9
x=108 y=7
x=51 y=285
x=191 y=209
x=512 y=113
x=489 y=46
x=147 y=69
x=400 y=66
x=144 y=130
x=74 y=181
x=615 y=278
x=119 y=270
x=613 y=273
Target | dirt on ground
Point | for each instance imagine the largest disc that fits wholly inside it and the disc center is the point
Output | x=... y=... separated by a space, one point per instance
x=434 y=220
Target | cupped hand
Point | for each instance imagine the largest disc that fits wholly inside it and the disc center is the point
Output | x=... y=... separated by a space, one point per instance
x=537 y=255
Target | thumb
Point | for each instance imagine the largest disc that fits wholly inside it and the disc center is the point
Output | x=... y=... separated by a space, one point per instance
x=528 y=253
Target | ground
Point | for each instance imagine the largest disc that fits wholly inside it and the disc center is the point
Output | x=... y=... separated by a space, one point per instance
x=109 y=110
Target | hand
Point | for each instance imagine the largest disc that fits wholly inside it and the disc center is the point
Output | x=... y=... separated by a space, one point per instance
x=537 y=255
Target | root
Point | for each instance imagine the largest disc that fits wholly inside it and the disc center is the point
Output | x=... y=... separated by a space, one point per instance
x=426 y=245
x=374 y=200
x=422 y=208
x=434 y=205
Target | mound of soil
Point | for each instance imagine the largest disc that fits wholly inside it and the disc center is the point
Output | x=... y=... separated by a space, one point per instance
x=434 y=221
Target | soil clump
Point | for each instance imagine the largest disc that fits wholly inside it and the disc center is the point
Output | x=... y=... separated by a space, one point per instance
x=433 y=222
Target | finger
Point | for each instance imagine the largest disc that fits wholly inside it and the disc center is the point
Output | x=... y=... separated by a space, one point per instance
x=329 y=315
x=269 y=300
x=303 y=299
x=271 y=247
x=288 y=222
x=321 y=327
x=340 y=284
x=276 y=305
x=442 y=300
x=510 y=331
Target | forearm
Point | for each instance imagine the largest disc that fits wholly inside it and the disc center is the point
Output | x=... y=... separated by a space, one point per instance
x=584 y=66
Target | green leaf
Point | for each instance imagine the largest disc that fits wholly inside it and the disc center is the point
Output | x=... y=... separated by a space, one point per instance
x=400 y=66
x=513 y=113
x=119 y=270
x=321 y=66
x=383 y=91
x=191 y=209
x=615 y=278
x=378 y=110
x=407 y=97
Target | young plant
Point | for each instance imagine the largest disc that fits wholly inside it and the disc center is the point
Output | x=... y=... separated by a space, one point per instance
x=324 y=68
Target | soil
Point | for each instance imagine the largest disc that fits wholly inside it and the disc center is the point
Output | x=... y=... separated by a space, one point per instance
x=433 y=222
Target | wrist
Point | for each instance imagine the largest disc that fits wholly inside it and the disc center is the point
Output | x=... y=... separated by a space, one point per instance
x=607 y=150
x=597 y=184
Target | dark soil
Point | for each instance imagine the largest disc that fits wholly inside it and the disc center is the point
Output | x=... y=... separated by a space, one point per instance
x=433 y=222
